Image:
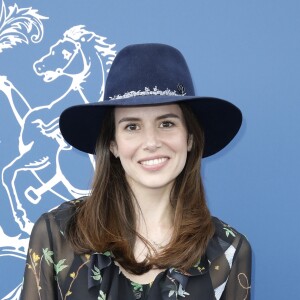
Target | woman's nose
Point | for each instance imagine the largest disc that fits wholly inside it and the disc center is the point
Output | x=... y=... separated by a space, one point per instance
x=151 y=140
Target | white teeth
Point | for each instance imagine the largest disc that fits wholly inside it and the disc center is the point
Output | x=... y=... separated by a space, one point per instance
x=153 y=161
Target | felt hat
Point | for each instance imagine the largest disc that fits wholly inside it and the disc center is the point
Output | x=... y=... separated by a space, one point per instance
x=151 y=74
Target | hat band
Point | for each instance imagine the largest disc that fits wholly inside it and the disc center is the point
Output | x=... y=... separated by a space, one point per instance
x=147 y=92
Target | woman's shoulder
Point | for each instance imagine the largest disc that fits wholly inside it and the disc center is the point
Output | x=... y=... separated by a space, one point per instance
x=59 y=216
x=64 y=212
x=67 y=208
x=49 y=229
x=226 y=238
x=225 y=231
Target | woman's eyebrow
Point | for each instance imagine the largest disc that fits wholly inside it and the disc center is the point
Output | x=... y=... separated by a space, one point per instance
x=134 y=119
x=166 y=116
x=128 y=119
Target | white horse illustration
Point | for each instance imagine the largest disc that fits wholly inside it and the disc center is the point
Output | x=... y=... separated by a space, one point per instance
x=85 y=58
x=18 y=25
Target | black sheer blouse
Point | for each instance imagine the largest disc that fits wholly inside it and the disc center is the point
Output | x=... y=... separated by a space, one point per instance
x=54 y=271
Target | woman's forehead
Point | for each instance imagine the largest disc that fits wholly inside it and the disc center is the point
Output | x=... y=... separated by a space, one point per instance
x=147 y=111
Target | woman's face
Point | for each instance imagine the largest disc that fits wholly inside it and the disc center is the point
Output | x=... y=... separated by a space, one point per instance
x=152 y=144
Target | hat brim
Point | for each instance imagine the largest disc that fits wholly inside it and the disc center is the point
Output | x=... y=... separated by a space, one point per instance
x=80 y=125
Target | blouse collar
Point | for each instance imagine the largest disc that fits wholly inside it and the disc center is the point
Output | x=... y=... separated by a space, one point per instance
x=219 y=243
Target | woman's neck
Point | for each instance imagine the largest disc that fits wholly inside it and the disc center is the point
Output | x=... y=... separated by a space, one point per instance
x=153 y=208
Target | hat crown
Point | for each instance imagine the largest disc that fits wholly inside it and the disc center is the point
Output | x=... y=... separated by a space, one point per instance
x=150 y=74
x=151 y=67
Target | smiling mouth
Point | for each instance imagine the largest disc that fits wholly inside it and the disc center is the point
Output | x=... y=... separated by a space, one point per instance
x=153 y=162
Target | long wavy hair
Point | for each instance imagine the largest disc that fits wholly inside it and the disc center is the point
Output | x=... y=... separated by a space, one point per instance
x=106 y=220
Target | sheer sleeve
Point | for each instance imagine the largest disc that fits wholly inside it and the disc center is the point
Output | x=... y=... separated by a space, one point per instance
x=39 y=281
x=239 y=281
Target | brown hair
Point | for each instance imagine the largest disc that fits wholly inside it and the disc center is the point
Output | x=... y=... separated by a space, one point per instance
x=106 y=220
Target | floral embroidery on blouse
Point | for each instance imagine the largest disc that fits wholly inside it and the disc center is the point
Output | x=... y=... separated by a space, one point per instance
x=35 y=264
x=53 y=271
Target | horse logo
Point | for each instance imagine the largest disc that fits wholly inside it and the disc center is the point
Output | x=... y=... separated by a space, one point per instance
x=41 y=145
x=37 y=175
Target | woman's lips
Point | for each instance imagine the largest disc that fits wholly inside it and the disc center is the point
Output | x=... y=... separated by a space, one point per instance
x=154 y=163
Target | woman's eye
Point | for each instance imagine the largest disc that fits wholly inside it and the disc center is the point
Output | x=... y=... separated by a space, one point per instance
x=167 y=124
x=131 y=127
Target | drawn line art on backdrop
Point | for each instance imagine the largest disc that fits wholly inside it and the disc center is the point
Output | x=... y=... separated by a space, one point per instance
x=17 y=25
x=42 y=155
x=40 y=142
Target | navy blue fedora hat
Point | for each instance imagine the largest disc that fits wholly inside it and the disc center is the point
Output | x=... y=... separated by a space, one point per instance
x=151 y=74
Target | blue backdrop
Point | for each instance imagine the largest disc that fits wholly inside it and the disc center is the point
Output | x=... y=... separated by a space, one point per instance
x=57 y=53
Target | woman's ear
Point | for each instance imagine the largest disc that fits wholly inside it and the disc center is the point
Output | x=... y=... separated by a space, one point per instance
x=114 y=149
x=190 y=142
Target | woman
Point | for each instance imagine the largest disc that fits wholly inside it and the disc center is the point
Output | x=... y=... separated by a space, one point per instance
x=145 y=231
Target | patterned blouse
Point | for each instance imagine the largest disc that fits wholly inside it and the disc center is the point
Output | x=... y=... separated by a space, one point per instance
x=54 y=271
